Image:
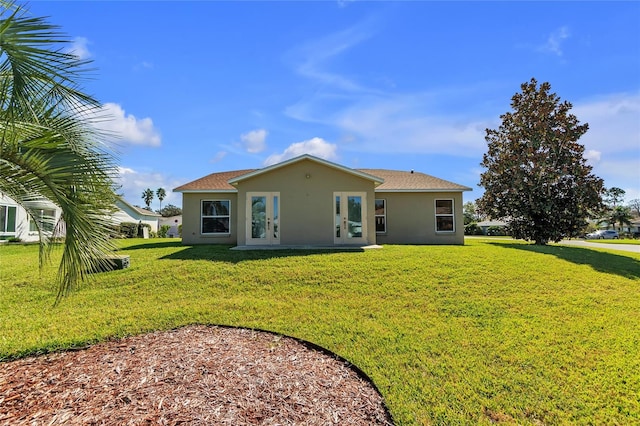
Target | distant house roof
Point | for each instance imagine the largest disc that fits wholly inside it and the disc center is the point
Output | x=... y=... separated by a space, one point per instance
x=141 y=211
x=386 y=180
x=487 y=223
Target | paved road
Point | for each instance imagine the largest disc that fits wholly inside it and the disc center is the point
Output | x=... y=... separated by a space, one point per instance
x=580 y=243
x=621 y=247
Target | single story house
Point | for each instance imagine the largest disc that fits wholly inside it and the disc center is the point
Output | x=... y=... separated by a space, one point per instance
x=486 y=224
x=308 y=201
x=16 y=223
x=130 y=213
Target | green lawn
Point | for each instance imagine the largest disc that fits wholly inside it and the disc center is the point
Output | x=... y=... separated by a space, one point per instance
x=493 y=331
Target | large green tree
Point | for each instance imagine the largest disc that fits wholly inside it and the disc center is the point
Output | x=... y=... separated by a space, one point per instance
x=536 y=177
x=49 y=146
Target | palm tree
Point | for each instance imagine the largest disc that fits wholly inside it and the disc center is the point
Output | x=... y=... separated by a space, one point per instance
x=49 y=146
x=161 y=194
x=147 y=196
x=621 y=215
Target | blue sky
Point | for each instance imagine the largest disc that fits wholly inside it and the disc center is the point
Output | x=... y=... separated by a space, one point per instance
x=200 y=87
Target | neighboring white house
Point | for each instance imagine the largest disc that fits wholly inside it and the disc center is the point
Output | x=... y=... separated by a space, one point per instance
x=173 y=222
x=486 y=224
x=16 y=223
x=129 y=213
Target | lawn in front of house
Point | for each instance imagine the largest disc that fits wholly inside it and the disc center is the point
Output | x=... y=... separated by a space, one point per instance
x=493 y=331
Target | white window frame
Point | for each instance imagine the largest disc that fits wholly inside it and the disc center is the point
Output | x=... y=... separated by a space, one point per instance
x=4 y=231
x=383 y=216
x=452 y=215
x=203 y=216
x=45 y=216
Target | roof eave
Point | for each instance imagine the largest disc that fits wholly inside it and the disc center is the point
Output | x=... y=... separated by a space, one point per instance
x=204 y=191
x=425 y=190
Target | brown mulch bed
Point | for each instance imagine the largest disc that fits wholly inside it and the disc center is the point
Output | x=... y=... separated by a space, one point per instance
x=193 y=375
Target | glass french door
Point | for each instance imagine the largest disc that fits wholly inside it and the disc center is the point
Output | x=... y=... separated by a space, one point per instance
x=263 y=224
x=350 y=223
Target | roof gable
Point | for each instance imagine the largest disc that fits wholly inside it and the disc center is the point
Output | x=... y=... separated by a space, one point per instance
x=307 y=157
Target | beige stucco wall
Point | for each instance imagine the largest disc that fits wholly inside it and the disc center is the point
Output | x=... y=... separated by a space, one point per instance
x=191 y=219
x=411 y=218
x=306 y=203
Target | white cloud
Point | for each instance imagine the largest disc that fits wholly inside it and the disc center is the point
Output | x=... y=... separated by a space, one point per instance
x=133 y=182
x=612 y=143
x=621 y=172
x=397 y=123
x=79 y=48
x=406 y=124
x=144 y=65
x=614 y=122
x=126 y=128
x=312 y=59
x=592 y=156
x=218 y=157
x=254 y=141
x=631 y=194
x=317 y=147
x=555 y=40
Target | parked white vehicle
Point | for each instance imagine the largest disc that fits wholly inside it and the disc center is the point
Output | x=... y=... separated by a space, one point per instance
x=603 y=234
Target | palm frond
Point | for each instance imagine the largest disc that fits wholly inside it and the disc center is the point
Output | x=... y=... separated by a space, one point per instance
x=50 y=148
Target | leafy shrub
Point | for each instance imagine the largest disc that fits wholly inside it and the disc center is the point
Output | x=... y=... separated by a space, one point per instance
x=496 y=231
x=162 y=232
x=129 y=229
x=472 y=229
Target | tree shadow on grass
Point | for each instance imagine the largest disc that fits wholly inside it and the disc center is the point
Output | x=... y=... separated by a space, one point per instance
x=157 y=245
x=223 y=253
x=609 y=263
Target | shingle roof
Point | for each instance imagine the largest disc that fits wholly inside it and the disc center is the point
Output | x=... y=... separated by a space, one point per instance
x=398 y=180
x=214 y=181
x=394 y=180
x=139 y=210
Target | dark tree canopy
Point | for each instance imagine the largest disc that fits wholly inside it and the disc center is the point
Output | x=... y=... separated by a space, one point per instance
x=170 y=210
x=536 y=177
x=614 y=196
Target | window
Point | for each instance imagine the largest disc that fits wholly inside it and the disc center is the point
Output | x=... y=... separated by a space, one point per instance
x=45 y=217
x=7 y=220
x=444 y=216
x=216 y=216
x=381 y=216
